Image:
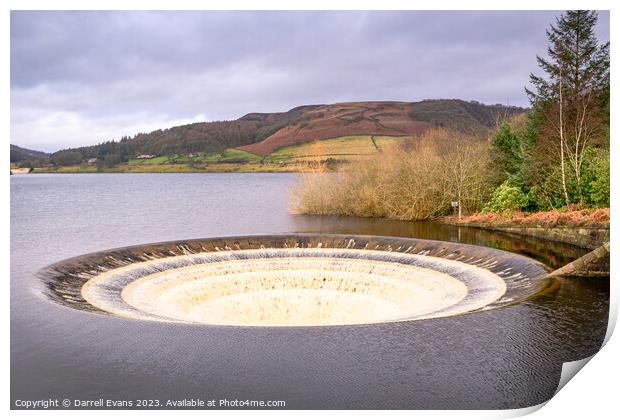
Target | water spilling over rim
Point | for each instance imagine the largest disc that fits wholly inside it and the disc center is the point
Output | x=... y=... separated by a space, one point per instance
x=293 y=280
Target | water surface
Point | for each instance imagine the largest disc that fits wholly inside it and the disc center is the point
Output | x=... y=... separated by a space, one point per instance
x=504 y=358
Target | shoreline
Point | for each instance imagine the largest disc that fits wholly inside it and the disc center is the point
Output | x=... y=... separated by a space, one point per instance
x=586 y=228
x=160 y=172
x=293 y=167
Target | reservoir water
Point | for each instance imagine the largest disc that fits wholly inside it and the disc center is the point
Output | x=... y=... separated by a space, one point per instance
x=508 y=357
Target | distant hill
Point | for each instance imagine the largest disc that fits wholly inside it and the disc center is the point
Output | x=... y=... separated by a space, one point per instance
x=338 y=120
x=20 y=154
x=263 y=133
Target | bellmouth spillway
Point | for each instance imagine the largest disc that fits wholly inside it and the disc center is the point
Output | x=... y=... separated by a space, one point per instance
x=294 y=280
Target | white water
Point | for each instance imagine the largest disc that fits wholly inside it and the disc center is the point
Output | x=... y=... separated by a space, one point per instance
x=293 y=287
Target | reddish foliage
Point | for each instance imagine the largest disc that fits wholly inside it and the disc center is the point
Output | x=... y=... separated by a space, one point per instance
x=601 y=215
x=574 y=216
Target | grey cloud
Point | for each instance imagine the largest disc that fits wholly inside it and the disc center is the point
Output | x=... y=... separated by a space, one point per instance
x=109 y=73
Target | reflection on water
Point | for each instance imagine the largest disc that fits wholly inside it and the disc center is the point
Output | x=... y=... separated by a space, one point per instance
x=502 y=358
x=553 y=254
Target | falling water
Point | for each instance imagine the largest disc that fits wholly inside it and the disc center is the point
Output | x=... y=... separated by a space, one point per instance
x=294 y=280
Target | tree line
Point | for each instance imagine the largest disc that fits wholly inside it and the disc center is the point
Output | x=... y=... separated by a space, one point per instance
x=208 y=137
x=555 y=156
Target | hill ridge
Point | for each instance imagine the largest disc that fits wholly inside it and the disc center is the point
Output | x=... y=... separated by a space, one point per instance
x=263 y=132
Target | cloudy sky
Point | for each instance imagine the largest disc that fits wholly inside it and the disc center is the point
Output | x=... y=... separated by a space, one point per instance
x=79 y=78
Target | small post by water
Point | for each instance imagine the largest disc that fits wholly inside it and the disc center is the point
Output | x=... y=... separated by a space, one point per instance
x=455 y=205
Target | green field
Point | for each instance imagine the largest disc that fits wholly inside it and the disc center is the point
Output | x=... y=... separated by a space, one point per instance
x=343 y=148
x=229 y=155
x=153 y=161
x=239 y=155
x=348 y=147
x=298 y=158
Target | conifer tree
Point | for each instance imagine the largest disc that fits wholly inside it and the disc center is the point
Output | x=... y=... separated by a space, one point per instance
x=571 y=93
x=575 y=58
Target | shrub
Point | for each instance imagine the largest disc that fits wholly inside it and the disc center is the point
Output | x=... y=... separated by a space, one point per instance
x=598 y=188
x=409 y=183
x=507 y=198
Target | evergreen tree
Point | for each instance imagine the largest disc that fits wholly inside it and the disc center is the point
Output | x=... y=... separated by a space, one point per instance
x=572 y=95
x=506 y=149
x=575 y=59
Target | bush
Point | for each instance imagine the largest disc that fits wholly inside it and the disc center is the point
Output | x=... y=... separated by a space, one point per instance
x=597 y=178
x=408 y=183
x=507 y=198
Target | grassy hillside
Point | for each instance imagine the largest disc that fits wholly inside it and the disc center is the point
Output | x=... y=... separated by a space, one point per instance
x=298 y=158
x=197 y=138
x=348 y=147
x=262 y=134
x=340 y=120
x=384 y=118
x=227 y=156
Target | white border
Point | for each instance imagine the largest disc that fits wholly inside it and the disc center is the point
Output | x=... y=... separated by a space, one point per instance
x=592 y=394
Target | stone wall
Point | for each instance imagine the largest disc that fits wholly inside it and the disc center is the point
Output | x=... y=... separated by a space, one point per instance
x=585 y=237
